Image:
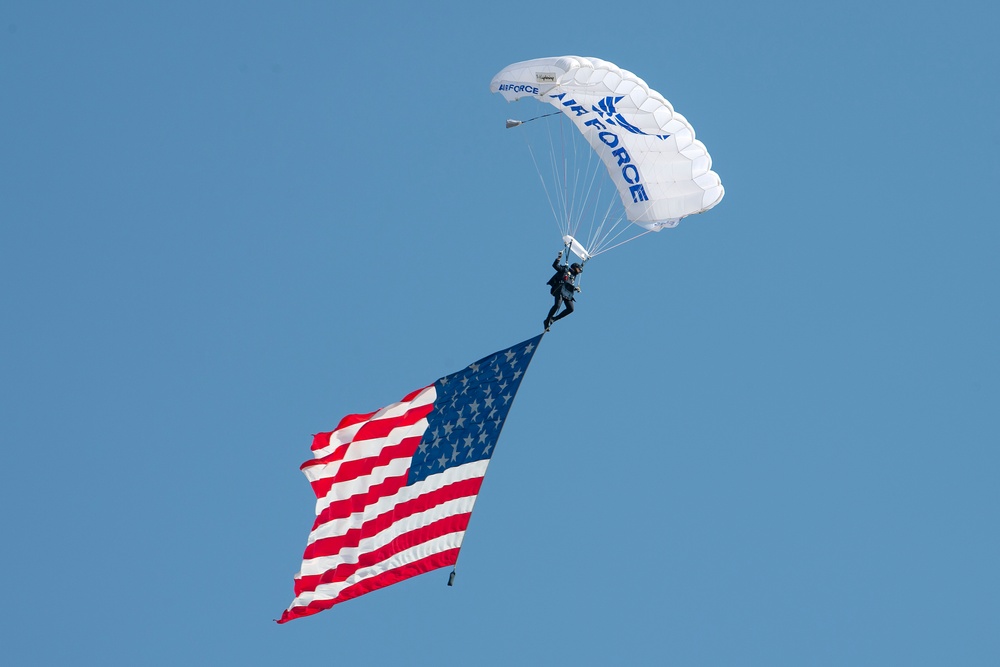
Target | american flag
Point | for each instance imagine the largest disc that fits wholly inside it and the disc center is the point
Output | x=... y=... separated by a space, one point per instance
x=395 y=488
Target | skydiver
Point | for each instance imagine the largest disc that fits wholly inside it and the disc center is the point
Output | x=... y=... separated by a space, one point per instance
x=563 y=288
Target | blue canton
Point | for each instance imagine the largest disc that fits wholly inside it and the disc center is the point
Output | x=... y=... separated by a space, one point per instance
x=470 y=410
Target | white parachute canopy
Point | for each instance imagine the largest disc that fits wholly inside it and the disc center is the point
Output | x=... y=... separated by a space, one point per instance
x=660 y=171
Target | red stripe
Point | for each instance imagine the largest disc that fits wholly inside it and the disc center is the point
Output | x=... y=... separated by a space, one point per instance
x=321 y=440
x=336 y=455
x=341 y=572
x=351 y=420
x=330 y=546
x=353 y=469
x=432 y=562
x=358 y=502
x=380 y=428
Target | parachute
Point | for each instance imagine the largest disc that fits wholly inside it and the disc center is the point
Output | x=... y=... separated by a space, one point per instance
x=659 y=172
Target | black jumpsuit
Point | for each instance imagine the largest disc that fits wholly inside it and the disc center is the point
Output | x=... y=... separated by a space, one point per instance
x=563 y=289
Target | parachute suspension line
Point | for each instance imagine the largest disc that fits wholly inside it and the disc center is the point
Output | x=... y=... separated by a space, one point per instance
x=571 y=180
x=587 y=174
x=581 y=169
x=556 y=196
x=613 y=232
x=559 y=178
x=589 y=195
x=567 y=194
x=564 y=175
x=545 y=185
x=573 y=186
x=586 y=178
x=602 y=236
x=593 y=169
x=564 y=152
x=559 y=192
x=583 y=190
x=633 y=238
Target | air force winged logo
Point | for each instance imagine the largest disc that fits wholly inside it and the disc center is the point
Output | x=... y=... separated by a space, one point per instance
x=607 y=110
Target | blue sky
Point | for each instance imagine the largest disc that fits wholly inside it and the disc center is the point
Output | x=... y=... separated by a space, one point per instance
x=766 y=437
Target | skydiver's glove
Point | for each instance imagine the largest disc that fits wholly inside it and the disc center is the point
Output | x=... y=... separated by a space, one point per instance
x=559 y=256
x=577 y=289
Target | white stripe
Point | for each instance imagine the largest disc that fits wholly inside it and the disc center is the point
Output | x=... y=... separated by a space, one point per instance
x=364 y=449
x=352 y=487
x=433 y=483
x=398 y=529
x=346 y=434
x=415 y=553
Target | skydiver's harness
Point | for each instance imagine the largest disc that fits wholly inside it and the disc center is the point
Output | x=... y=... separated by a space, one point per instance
x=563 y=277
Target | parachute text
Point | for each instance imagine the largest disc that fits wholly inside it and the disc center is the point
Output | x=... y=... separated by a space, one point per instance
x=630 y=173
x=518 y=88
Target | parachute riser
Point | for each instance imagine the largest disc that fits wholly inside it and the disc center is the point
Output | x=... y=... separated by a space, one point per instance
x=574 y=246
x=577 y=248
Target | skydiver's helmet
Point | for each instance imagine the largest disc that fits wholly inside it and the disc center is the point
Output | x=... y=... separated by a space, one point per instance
x=575 y=268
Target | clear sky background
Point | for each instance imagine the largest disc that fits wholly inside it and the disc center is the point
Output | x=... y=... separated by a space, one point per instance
x=767 y=437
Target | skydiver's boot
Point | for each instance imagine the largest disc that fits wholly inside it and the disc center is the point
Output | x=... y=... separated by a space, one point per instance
x=548 y=323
